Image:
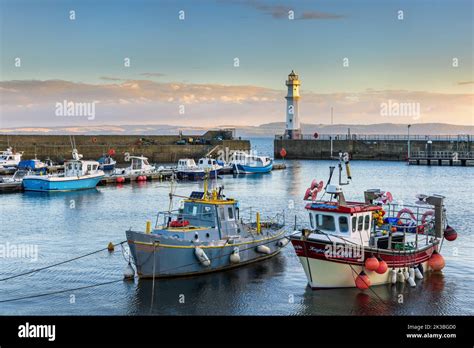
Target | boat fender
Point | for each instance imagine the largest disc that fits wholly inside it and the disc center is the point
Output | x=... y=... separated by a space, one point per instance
x=411 y=272
x=129 y=272
x=400 y=276
x=406 y=274
x=235 y=257
x=283 y=242
x=418 y=274
x=202 y=257
x=393 y=276
x=411 y=281
x=263 y=249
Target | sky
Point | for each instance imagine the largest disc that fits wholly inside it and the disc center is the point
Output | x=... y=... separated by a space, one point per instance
x=183 y=71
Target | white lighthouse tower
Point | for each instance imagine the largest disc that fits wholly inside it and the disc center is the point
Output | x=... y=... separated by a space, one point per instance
x=293 y=130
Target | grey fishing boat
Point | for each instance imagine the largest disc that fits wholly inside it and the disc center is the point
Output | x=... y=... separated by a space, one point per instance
x=206 y=234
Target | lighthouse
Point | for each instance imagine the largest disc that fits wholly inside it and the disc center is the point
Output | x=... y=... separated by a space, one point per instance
x=293 y=130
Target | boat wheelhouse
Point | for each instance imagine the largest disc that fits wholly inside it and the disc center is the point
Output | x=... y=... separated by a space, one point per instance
x=208 y=233
x=139 y=166
x=210 y=165
x=78 y=175
x=358 y=244
x=107 y=163
x=244 y=163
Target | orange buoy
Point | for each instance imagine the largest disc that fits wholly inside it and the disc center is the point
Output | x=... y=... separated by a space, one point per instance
x=382 y=267
x=120 y=180
x=362 y=281
x=283 y=152
x=450 y=233
x=141 y=178
x=372 y=263
x=436 y=261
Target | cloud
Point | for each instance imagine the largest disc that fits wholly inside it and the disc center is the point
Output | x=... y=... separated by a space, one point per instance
x=152 y=74
x=31 y=103
x=282 y=11
x=465 y=82
x=108 y=78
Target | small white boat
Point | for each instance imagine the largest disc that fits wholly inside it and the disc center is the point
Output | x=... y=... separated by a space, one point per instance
x=139 y=166
x=9 y=158
x=210 y=165
x=244 y=163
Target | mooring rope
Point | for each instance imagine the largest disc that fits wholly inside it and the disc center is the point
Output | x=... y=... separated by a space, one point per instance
x=108 y=282
x=59 y=263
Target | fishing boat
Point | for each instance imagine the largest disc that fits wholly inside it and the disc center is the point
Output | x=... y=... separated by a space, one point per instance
x=244 y=163
x=359 y=244
x=13 y=183
x=187 y=169
x=78 y=175
x=34 y=165
x=206 y=234
x=9 y=159
x=139 y=166
x=107 y=163
x=210 y=165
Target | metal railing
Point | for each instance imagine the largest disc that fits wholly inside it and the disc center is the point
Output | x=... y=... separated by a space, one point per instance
x=448 y=155
x=379 y=137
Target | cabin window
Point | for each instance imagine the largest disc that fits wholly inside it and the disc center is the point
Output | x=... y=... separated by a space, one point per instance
x=326 y=222
x=311 y=222
x=89 y=167
x=207 y=212
x=230 y=211
x=94 y=167
x=354 y=223
x=209 y=162
x=360 y=223
x=343 y=224
x=69 y=166
x=366 y=222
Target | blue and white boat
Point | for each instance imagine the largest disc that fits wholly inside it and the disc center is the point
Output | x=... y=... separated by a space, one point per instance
x=9 y=159
x=244 y=163
x=188 y=170
x=34 y=165
x=210 y=165
x=107 y=163
x=78 y=175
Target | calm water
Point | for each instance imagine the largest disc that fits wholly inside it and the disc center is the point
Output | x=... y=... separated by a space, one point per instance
x=65 y=225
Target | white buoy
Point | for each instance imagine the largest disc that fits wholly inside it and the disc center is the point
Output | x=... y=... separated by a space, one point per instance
x=283 y=242
x=400 y=276
x=411 y=281
x=406 y=274
x=235 y=257
x=418 y=274
x=263 y=249
x=128 y=272
x=411 y=271
x=393 y=276
x=202 y=257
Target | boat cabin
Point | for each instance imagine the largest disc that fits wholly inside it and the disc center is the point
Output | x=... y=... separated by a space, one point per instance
x=186 y=163
x=138 y=162
x=243 y=158
x=80 y=168
x=207 y=218
x=207 y=163
x=352 y=221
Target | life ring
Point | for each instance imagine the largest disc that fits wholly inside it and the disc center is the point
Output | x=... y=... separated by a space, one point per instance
x=94 y=140
x=179 y=223
x=406 y=211
x=425 y=216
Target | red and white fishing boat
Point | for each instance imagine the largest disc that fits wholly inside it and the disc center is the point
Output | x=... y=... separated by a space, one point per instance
x=359 y=244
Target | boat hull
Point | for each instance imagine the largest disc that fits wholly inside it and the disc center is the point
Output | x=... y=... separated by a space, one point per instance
x=168 y=260
x=326 y=271
x=243 y=169
x=195 y=175
x=47 y=184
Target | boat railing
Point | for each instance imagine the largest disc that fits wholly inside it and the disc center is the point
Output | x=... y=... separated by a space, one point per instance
x=415 y=222
x=248 y=216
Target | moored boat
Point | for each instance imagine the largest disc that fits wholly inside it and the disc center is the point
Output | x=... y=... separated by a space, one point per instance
x=9 y=159
x=359 y=244
x=187 y=169
x=78 y=175
x=107 y=163
x=244 y=163
x=139 y=166
x=207 y=234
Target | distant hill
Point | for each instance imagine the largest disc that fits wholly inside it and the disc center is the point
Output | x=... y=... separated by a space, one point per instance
x=264 y=130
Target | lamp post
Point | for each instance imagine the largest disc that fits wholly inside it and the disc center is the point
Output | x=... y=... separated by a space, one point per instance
x=409 y=152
